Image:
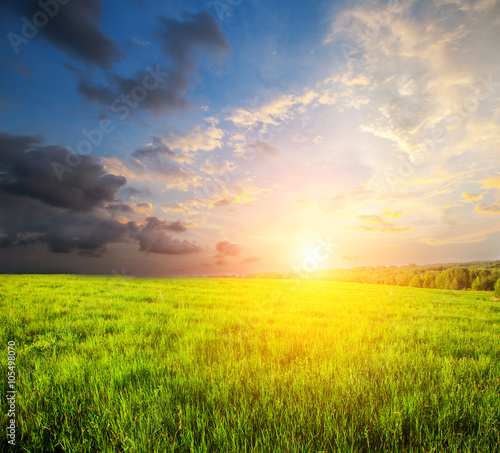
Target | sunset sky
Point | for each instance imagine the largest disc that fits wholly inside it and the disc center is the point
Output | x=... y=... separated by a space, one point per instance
x=236 y=136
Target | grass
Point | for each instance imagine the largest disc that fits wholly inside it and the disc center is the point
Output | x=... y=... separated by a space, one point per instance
x=235 y=365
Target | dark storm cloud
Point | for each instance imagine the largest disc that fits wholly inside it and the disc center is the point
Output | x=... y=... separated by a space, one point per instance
x=70 y=215
x=132 y=192
x=26 y=222
x=226 y=248
x=12 y=144
x=159 y=158
x=119 y=207
x=154 y=162
x=149 y=90
x=181 y=42
x=27 y=170
x=251 y=259
x=155 y=224
x=164 y=244
x=101 y=94
x=72 y=28
x=157 y=148
x=88 y=234
x=153 y=239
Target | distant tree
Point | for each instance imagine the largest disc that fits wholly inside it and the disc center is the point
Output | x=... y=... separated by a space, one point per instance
x=497 y=288
x=489 y=283
x=460 y=278
x=484 y=273
x=476 y=284
x=429 y=277
x=448 y=277
x=439 y=280
x=455 y=284
x=404 y=279
x=416 y=281
x=484 y=283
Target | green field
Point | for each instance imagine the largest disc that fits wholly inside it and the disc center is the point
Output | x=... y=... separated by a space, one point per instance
x=249 y=365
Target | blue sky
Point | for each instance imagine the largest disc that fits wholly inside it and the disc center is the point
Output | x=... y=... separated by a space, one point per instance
x=371 y=125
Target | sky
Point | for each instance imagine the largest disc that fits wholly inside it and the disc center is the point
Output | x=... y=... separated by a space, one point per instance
x=236 y=136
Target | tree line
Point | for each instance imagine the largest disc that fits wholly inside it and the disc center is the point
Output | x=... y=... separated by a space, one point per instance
x=478 y=276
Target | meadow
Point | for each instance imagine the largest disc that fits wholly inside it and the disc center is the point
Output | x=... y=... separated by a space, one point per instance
x=109 y=364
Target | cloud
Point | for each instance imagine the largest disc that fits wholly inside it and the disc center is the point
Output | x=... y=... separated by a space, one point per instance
x=93 y=92
x=378 y=224
x=211 y=194
x=154 y=149
x=466 y=235
x=156 y=163
x=349 y=258
x=153 y=239
x=131 y=211
x=73 y=29
x=218 y=168
x=197 y=139
x=491 y=183
x=411 y=78
x=155 y=224
x=133 y=192
x=346 y=199
x=299 y=138
x=251 y=259
x=486 y=208
x=28 y=169
x=393 y=214
x=470 y=197
x=261 y=150
x=181 y=42
x=151 y=88
x=225 y=248
x=176 y=207
x=162 y=243
x=75 y=213
x=29 y=222
x=143 y=207
x=119 y=207
x=275 y=111
x=223 y=202
x=470 y=5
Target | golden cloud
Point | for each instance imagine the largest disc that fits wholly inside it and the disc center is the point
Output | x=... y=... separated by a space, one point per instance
x=470 y=197
x=381 y=225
